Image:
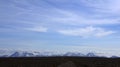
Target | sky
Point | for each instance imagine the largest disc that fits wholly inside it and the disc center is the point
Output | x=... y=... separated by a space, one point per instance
x=60 y=25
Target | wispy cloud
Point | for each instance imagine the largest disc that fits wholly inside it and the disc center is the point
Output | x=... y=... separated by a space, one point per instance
x=87 y=32
x=109 y=6
x=47 y=13
x=77 y=18
x=37 y=29
x=102 y=12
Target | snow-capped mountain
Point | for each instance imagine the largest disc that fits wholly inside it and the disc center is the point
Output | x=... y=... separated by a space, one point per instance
x=5 y=53
x=22 y=54
x=33 y=54
x=73 y=54
x=91 y=55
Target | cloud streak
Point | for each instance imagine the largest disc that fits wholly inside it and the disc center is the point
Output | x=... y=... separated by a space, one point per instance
x=37 y=29
x=95 y=20
x=47 y=14
x=87 y=32
x=109 y=6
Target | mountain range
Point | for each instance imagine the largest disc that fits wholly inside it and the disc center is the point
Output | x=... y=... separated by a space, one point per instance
x=8 y=53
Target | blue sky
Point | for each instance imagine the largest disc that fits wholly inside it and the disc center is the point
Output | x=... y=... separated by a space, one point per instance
x=60 y=25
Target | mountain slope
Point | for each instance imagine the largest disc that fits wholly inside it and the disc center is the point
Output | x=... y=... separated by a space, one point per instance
x=47 y=54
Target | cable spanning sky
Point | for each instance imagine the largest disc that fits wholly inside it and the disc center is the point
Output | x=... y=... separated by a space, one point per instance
x=60 y=25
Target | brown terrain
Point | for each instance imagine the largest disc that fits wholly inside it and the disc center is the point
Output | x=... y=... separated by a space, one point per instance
x=59 y=62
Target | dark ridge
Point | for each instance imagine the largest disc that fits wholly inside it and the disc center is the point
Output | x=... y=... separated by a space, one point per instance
x=59 y=62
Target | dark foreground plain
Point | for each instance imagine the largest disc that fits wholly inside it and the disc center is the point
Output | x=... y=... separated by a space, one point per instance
x=59 y=62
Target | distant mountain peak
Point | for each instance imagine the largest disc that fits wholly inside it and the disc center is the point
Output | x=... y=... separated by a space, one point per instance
x=91 y=55
x=47 y=54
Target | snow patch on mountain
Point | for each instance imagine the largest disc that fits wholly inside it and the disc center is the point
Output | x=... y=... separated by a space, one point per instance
x=19 y=53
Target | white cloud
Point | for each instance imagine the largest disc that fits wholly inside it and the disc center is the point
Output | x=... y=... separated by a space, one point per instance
x=72 y=18
x=104 y=12
x=37 y=29
x=53 y=17
x=110 y=6
x=87 y=32
x=104 y=33
x=56 y=15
